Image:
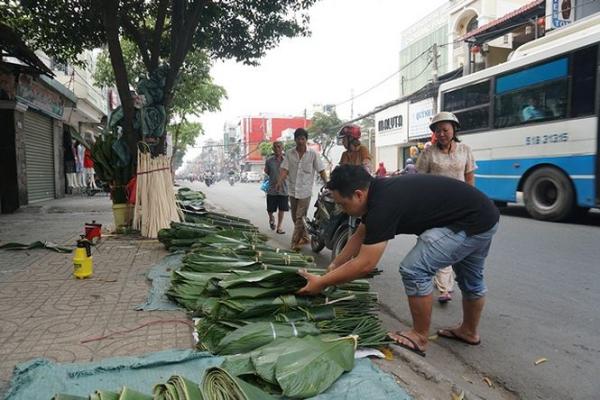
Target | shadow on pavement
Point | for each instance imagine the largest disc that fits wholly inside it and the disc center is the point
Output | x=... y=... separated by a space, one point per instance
x=592 y=218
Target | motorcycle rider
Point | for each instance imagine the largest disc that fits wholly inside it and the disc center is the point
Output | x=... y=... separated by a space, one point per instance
x=356 y=153
x=231 y=175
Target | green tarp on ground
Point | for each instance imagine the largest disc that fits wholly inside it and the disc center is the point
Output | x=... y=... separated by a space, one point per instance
x=40 y=379
x=160 y=275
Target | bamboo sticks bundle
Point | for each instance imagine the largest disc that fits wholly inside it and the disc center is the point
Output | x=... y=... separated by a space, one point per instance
x=155 y=204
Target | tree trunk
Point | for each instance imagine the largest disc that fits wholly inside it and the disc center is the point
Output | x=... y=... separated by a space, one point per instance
x=110 y=12
x=175 y=144
x=184 y=23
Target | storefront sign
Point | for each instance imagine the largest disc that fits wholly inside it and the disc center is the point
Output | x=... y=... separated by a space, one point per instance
x=560 y=12
x=390 y=125
x=420 y=113
x=34 y=94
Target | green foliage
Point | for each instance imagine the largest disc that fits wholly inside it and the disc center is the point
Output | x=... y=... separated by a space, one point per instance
x=243 y=30
x=194 y=92
x=184 y=134
x=265 y=148
x=164 y=33
x=323 y=129
x=109 y=167
x=367 y=123
x=104 y=74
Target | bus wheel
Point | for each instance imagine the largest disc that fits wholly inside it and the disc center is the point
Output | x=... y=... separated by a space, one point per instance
x=548 y=195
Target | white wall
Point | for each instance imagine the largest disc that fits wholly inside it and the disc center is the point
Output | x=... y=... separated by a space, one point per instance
x=389 y=156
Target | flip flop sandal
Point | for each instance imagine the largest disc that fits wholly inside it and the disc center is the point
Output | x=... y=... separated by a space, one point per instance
x=415 y=349
x=448 y=334
x=279 y=231
x=443 y=299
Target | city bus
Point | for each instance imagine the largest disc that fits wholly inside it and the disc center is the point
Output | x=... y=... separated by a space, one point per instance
x=532 y=123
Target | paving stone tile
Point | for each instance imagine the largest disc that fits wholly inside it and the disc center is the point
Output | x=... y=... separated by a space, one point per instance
x=46 y=312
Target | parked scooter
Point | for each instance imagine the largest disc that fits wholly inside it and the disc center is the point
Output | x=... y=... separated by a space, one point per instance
x=329 y=227
x=231 y=179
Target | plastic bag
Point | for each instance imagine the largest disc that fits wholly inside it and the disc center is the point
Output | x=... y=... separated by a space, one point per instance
x=265 y=185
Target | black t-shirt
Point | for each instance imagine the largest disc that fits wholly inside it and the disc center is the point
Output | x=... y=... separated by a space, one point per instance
x=411 y=204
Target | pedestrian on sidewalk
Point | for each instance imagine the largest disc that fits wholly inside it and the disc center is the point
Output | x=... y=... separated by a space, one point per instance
x=447 y=157
x=277 y=200
x=455 y=223
x=381 y=171
x=298 y=167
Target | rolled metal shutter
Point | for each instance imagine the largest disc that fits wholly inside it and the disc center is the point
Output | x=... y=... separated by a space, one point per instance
x=39 y=157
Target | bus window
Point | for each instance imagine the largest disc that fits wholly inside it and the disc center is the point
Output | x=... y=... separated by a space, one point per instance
x=470 y=104
x=584 y=82
x=535 y=94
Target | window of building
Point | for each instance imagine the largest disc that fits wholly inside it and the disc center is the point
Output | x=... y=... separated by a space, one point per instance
x=583 y=99
x=472 y=25
x=535 y=94
x=470 y=104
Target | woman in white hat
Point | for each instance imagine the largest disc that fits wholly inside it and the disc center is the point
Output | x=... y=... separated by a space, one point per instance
x=447 y=157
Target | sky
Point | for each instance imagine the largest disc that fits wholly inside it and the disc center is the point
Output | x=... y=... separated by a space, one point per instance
x=354 y=45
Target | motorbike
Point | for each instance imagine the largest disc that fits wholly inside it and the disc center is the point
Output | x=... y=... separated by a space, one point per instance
x=329 y=227
x=208 y=181
x=231 y=180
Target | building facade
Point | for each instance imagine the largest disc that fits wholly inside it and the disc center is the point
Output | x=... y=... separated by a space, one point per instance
x=470 y=35
x=32 y=107
x=91 y=106
x=257 y=129
x=445 y=27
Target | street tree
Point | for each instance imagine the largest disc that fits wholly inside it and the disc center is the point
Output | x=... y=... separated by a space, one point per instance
x=323 y=130
x=184 y=134
x=164 y=32
x=194 y=92
x=265 y=148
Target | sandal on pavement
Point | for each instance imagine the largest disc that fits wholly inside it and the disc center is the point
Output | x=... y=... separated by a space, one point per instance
x=279 y=231
x=449 y=334
x=445 y=298
x=415 y=347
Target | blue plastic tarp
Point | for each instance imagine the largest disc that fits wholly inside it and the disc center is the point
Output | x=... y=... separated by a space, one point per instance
x=160 y=275
x=40 y=378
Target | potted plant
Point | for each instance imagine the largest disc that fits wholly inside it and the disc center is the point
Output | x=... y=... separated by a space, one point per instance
x=113 y=166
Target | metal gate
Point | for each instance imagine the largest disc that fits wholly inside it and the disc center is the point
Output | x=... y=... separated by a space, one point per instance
x=39 y=157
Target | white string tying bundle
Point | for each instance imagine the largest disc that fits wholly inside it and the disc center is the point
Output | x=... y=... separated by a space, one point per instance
x=294 y=330
x=273 y=330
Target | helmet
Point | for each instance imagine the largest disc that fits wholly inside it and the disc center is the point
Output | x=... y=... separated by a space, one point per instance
x=352 y=131
x=444 y=116
x=409 y=161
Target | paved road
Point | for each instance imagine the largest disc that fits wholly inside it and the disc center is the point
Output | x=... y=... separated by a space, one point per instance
x=544 y=288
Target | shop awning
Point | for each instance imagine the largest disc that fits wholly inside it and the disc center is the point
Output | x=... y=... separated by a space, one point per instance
x=11 y=45
x=506 y=23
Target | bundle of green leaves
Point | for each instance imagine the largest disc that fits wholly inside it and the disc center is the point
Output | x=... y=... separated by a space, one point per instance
x=294 y=367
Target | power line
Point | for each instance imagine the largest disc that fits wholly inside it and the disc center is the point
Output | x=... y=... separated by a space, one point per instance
x=420 y=73
x=384 y=80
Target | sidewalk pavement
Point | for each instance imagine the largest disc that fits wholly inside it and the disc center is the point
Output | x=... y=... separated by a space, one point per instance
x=46 y=312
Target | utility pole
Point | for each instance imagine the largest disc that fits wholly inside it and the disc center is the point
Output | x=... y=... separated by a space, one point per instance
x=351 y=103
x=434 y=74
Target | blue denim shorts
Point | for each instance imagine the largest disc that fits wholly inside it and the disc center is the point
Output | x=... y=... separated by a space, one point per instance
x=437 y=248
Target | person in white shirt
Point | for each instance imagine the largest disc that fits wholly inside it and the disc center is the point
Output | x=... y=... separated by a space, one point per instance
x=298 y=167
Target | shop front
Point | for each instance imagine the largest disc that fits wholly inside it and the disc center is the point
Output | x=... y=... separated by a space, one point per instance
x=390 y=135
x=31 y=111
